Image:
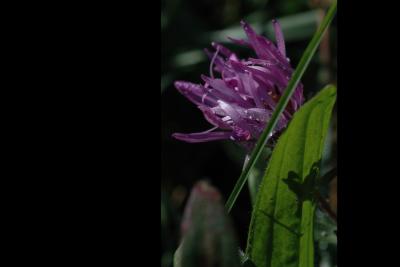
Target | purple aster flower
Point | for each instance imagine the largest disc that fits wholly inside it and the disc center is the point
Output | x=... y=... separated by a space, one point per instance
x=241 y=99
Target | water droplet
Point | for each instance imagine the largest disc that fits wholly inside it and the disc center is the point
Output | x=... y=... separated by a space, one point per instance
x=203 y=97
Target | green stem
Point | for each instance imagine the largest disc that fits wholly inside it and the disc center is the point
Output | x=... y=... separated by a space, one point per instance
x=283 y=101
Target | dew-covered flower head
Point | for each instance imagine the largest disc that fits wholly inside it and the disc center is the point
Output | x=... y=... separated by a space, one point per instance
x=239 y=95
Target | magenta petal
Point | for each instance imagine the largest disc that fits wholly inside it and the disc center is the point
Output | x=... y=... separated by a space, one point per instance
x=218 y=61
x=251 y=88
x=249 y=84
x=258 y=114
x=279 y=37
x=239 y=134
x=234 y=112
x=240 y=42
x=261 y=49
x=202 y=137
x=225 y=51
x=212 y=118
x=264 y=48
x=224 y=92
x=269 y=76
x=195 y=93
x=272 y=64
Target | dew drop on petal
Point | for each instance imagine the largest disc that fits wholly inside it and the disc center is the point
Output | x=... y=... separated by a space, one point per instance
x=203 y=97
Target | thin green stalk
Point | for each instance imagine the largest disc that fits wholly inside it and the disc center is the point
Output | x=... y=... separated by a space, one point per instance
x=294 y=81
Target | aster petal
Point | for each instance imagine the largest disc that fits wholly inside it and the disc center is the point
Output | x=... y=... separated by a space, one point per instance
x=236 y=116
x=212 y=118
x=273 y=79
x=240 y=42
x=262 y=79
x=225 y=51
x=231 y=81
x=258 y=114
x=298 y=93
x=238 y=134
x=195 y=93
x=202 y=136
x=264 y=48
x=224 y=92
x=253 y=89
x=279 y=37
x=248 y=83
x=268 y=64
x=218 y=60
x=282 y=123
x=267 y=76
x=260 y=49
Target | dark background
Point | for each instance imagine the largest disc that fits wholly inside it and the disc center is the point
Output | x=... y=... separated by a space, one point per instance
x=187 y=27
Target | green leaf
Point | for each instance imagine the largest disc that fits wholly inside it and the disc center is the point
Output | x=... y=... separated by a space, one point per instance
x=281 y=228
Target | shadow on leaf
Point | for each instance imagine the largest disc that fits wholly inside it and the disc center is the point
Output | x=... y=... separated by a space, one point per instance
x=304 y=190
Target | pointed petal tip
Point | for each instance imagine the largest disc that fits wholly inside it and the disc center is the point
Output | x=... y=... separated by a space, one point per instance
x=243 y=22
x=279 y=38
x=176 y=135
x=215 y=45
x=251 y=34
x=181 y=137
x=204 y=77
x=246 y=26
x=206 y=136
x=276 y=23
x=184 y=85
x=179 y=84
